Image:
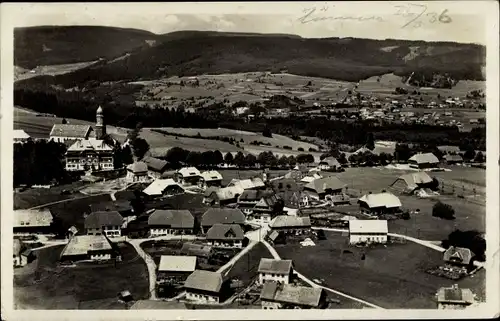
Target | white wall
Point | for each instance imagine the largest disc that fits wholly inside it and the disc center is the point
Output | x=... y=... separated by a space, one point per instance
x=265 y=277
x=97 y=257
x=202 y=298
x=353 y=239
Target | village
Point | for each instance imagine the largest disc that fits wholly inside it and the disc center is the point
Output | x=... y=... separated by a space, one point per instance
x=224 y=237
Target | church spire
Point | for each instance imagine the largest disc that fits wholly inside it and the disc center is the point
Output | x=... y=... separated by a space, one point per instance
x=100 y=126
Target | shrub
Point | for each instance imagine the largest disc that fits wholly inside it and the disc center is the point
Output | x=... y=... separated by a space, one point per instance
x=300 y=149
x=443 y=210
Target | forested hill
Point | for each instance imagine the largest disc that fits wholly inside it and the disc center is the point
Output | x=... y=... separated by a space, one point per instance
x=189 y=53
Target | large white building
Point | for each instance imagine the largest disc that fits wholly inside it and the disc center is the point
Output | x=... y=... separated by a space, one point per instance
x=368 y=231
x=275 y=270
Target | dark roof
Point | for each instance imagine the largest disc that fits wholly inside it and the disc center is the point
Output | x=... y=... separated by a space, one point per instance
x=119 y=206
x=457 y=254
x=454 y=158
x=225 y=232
x=222 y=215
x=173 y=218
x=251 y=195
x=67 y=130
x=155 y=164
x=204 y=280
x=274 y=266
x=320 y=185
x=201 y=250
x=103 y=218
x=291 y=294
x=284 y=183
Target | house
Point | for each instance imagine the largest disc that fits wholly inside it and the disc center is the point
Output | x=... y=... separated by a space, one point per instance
x=204 y=286
x=221 y=216
x=409 y=183
x=221 y=196
x=156 y=167
x=250 y=197
x=189 y=176
x=211 y=178
x=321 y=187
x=368 y=231
x=89 y=154
x=61 y=133
x=175 y=267
x=225 y=236
x=201 y=251
x=121 y=206
x=108 y=223
x=275 y=270
x=20 y=136
x=447 y=149
x=170 y=222
x=458 y=256
x=87 y=247
x=162 y=187
x=276 y=237
x=37 y=221
x=245 y=184
x=290 y=224
x=454 y=298
x=267 y=208
x=380 y=203
x=329 y=164
x=276 y=295
x=423 y=160
x=137 y=172
x=22 y=255
x=453 y=159
x=294 y=201
x=310 y=178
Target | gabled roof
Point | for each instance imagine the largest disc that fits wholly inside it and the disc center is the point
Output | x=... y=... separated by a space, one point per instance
x=454 y=294
x=290 y=221
x=103 y=218
x=222 y=215
x=267 y=201
x=457 y=254
x=189 y=172
x=251 y=195
x=454 y=158
x=424 y=158
x=204 y=280
x=284 y=183
x=291 y=294
x=155 y=164
x=89 y=144
x=138 y=167
x=449 y=149
x=211 y=176
x=275 y=266
x=176 y=263
x=368 y=226
x=67 y=130
x=225 y=232
x=330 y=161
x=413 y=180
x=173 y=218
x=245 y=184
x=320 y=185
x=159 y=185
x=32 y=218
x=20 y=134
x=82 y=244
x=384 y=199
x=225 y=193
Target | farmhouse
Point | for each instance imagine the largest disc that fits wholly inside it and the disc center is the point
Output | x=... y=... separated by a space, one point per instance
x=32 y=221
x=221 y=216
x=161 y=187
x=189 y=175
x=321 y=187
x=409 y=183
x=266 y=208
x=201 y=251
x=170 y=222
x=275 y=270
x=310 y=178
x=221 y=196
x=137 y=172
x=249 y=198
x=368 y=231
x=175 y=268
x=423 y=160
x=108 y=223
x=89 y=154
x=204 y=286
x=454 y=298
x=156 y=166
x=287 y=296
x=453 y=159
x=447 y=149
x=458 y=256
x=22 y=255
x=211 y=178
x=290 y=224
x=225 y=236
x=245 y=184
x=20 y=136
x=87 y=247
x=380 y=203
x=329 y=164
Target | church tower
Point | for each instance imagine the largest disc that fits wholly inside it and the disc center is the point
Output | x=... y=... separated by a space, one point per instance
x=100 y=127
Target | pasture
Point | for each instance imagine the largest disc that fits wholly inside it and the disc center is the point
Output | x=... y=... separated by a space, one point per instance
x=382 y=278
x=50 y=70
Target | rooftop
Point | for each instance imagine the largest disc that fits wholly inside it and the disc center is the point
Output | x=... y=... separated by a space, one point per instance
x=384 y=199
x=138 y=167
x=103 y=218
x=189 y=172
x=424 y=158
x=173 y=218
x=222 y=215
x=67 y=130
x=155 y=164
x=225 y=232
x=368 y=226
x=32 y=218
x=275 y=266
x=245 y=184
x=291 y=294
x=290 y=221
x=204 y=280
x=458 y=255
x=211 y=176
x=159 y=185
x=175 y=263
x=321 y=185
x=82 y=244
x=415 y=179
x=454 y=294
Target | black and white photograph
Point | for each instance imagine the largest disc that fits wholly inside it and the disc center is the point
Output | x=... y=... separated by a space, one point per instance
x=250 y=156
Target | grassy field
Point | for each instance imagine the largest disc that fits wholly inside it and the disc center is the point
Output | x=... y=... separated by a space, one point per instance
x=52 y=70
x=229 y=174
x=391 y=277
x=66 y=288
x=38 y=196
x=245 y=269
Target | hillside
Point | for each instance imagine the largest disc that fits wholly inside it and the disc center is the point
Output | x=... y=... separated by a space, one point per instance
x=190 y=53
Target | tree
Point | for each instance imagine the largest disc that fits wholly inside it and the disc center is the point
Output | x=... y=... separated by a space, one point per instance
x=239 y=159
x=64 y=121
x=443 y=210
x=267 y=132
x=283 y=161
x=370 y=142
x=193 y=158
x=402 y=152
x=479 y=157
x=176 y=155
x=228 y=158
x=342 y=159
x=292 y=161
x=140 y=147
x=472 y=240
x=470 y=153
x=300 y=149
x=217 y=157
x=250 y=160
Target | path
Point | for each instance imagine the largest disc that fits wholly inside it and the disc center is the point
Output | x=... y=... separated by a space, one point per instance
x=235 y=258
x=275 y=255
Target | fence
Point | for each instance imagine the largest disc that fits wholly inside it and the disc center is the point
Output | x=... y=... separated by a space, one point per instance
x=464 y=191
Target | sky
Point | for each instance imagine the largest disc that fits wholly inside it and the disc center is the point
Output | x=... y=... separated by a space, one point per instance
x=458 y=21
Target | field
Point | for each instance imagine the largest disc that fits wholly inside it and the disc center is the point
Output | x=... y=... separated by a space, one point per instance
x=229 y=174
x=52 y=70
x=391 y=277
x=72 y=287
x=39 y=196
x=245 y=269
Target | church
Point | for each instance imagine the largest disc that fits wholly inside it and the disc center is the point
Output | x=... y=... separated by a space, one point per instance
x=88 y=149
